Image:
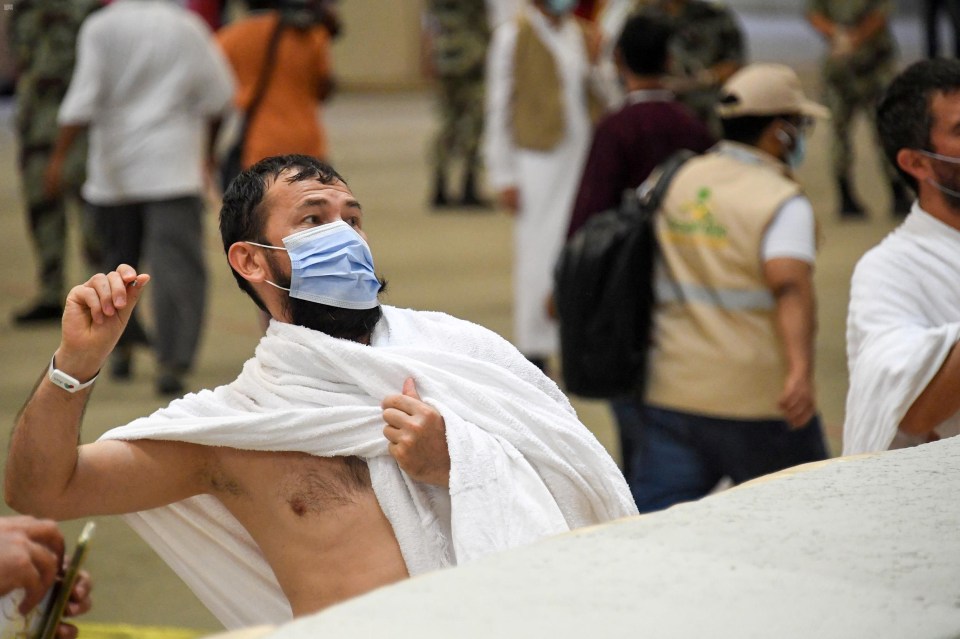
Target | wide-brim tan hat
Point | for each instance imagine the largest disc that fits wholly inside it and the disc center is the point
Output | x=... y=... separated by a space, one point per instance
x=766 y=89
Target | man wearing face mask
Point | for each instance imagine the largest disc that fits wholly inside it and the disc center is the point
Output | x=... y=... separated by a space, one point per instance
x=730 y=390
x=903 y=323
x=360 y=445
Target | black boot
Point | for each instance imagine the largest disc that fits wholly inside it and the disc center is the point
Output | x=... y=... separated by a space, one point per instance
x=850 y=208
x=440 y=191
x=902 y=199
x=470 y=197
x=40 y=312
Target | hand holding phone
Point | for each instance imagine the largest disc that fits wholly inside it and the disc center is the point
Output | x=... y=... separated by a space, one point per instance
x=59 y=595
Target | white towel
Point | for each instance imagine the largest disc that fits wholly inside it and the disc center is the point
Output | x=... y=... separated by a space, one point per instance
x=522 y=465
x=904 y=318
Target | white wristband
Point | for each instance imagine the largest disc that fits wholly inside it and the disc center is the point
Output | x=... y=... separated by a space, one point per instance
x=67 y=382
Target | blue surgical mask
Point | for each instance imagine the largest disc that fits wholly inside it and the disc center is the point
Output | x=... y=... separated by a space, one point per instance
x=560 y=7
x=798 y=153
x=330 y=264
x=797 y=141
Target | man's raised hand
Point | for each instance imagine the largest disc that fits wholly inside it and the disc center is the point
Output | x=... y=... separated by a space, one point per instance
x=94 y=317
x=417 y=435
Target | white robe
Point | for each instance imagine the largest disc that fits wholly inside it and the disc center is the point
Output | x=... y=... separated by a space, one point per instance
x=522 y=465
x=903 y=320
x=547 y=180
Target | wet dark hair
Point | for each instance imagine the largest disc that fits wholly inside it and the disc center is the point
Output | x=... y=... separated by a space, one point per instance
x=903 y=113
x=643 y=43
x=243 y=218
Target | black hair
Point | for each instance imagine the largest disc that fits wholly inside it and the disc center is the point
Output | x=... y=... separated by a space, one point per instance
x=643 y=43
x=262 y=5
x=747 y=129
x=903 y=114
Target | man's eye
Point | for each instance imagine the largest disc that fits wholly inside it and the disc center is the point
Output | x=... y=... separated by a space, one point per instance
x=354 y=222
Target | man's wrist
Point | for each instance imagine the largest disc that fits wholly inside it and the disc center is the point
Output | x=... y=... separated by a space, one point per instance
x=65 y=381
x=81 y=367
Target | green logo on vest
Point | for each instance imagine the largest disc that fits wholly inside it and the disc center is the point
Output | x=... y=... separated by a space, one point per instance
x=700 y=223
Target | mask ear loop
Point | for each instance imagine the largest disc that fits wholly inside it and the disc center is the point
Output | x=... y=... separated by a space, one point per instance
x=937 y=156
x=789 y=139
x=275 y=248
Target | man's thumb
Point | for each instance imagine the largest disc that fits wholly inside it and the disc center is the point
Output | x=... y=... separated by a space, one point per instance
x=410 y=388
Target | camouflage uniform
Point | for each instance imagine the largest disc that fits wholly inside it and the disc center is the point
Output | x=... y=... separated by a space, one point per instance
x=460 y=38
x=43 y=35
x=706 y=34
x=857 y=80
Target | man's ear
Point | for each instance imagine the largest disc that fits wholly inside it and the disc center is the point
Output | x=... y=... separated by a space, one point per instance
x=914 y=163
x=248 y=262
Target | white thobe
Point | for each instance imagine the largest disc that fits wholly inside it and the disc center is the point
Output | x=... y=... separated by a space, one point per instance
x=904 y=319
x=547 y=180
x=149 y=79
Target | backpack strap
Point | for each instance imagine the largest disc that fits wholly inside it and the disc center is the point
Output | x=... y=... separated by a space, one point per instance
x=651 y=192
x=263 y=79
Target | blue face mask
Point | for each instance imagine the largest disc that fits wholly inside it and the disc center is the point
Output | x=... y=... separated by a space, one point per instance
x=798 y=146
x=560 y=7
x=330 y=264
x=799 y=151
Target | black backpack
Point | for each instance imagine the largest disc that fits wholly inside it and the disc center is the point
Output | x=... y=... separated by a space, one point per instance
x=603 y=291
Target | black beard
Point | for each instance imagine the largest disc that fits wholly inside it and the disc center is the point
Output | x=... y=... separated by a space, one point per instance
x=949 y=178
x=345 y=323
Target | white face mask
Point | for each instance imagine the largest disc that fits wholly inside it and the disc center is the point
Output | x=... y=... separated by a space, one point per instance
x=943 y=158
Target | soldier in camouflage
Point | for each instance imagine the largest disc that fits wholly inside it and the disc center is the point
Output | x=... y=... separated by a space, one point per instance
x=43 y=36
x=458 y=35
x=860 y=64
x=707 y=48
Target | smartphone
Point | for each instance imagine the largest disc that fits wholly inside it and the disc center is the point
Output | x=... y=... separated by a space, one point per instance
x=59 y=594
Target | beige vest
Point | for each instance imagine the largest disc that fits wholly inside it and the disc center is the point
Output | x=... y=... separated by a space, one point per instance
x=537 y=117
x=717 y=351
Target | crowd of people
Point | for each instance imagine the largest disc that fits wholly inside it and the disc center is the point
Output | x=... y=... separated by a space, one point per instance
x=362 y=443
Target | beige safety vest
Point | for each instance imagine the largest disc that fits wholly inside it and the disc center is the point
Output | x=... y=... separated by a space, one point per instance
x=537 y=111
x=716 y=348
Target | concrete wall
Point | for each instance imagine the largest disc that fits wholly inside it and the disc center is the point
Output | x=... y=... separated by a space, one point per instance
x=380 y=46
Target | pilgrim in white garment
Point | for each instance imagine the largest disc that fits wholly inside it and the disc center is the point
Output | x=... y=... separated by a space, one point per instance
x=904 y=319
x=522 y=465
x=547 y=181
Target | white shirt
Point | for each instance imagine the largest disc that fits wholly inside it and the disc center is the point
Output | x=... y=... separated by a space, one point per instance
x=148 y=80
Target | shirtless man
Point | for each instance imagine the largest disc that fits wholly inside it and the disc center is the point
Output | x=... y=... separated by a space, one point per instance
x=316 y=520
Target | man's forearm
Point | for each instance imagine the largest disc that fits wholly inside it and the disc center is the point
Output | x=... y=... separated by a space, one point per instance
x=43 y=448
x=66 y=137
x=823 y=25
x=870 y=26
x=796 y=322
x=939 y=401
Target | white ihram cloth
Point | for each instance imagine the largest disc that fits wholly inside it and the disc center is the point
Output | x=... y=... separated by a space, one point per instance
x=904 y=318
x=522 y=465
